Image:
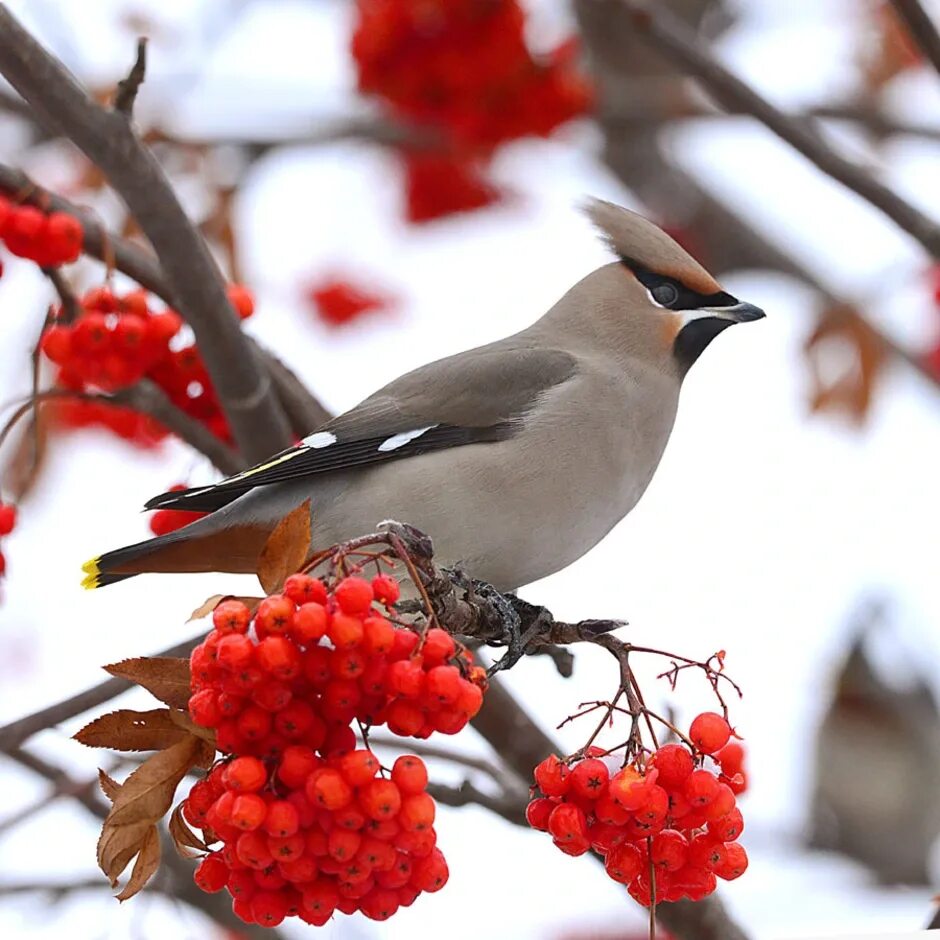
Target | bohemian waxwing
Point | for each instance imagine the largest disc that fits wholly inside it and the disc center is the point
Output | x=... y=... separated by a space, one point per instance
x=516 y=457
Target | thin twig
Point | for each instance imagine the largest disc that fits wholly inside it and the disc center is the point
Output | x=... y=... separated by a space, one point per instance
x=510 y=807
x=922 y=28
x=128 y=87
x=108 y=140
x=673 y=38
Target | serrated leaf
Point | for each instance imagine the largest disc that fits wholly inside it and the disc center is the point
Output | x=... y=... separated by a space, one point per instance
x=148 y=792
x=129 y=730
x=109 y=786
x=148 y=861
x=183 y=837
x=164 y=677
x=286 y=549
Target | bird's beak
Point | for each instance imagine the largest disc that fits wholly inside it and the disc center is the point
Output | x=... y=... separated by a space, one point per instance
x=738 y=313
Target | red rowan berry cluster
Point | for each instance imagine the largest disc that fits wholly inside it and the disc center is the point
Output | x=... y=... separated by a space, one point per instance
x=7 y=524
x=118 y=339
x=667 y=828
x=49 y=240
x=465 y=68
x=309 y=824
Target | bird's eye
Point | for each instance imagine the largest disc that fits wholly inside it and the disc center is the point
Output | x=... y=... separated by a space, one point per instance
x=665 y=294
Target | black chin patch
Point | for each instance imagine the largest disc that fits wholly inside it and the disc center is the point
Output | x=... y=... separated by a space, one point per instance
x=692 y=339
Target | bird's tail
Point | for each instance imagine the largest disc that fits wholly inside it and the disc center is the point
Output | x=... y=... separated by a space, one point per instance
x=196 y=547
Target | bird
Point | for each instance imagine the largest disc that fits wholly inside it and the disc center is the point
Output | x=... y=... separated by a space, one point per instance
x=515 y=457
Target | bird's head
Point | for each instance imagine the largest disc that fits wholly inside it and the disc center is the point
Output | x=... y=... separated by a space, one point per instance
x=679 y=306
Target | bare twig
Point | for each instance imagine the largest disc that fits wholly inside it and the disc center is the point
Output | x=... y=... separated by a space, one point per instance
x=70 y=305
x=921 y=27
x=57 y=890
x=671 y=37
x=510 y=807
x=107 y=138
x=127 y=88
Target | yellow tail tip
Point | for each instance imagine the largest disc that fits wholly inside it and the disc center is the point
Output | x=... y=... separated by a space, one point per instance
x=92 y=571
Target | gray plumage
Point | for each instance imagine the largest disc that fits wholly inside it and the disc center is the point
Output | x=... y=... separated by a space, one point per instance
x=516 y=457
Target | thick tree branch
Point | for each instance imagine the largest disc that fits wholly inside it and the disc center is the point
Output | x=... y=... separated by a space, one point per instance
x=673 y=38
x=921 y=27
x=108 y=140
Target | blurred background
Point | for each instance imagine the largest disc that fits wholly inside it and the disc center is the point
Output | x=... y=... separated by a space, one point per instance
x=792 y=523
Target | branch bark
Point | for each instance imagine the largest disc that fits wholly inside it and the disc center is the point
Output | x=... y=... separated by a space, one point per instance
x=671 y=37
x=108 y=140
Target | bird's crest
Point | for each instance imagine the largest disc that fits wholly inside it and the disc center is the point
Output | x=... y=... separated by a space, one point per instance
x=637 y=241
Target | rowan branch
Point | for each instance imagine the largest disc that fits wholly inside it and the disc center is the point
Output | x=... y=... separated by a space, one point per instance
x=509 y=807
x=921 y=27
x=108 y=140
x=673 y=38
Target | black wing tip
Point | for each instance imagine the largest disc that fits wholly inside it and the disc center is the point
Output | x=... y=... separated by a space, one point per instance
x=171 y=497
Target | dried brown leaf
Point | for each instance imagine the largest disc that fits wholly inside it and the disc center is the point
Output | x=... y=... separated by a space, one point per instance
x=117 y=845
x=184 y=723
x=109 y=786
x=183 y=837
x=851 y=391
x=148 y=792
x=286 y=549
x=164 y=677
x=148 y=861
x=129 y=730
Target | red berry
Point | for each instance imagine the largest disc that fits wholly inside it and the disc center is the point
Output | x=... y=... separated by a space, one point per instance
x=700 y=788
x=669 y=850
x=279 y=656
x=385 y=589
x=241 y=299
x=378 y=635
x=235 y=652
x=589 y=778
x=553 y=777
x=310 y=623
x=727 y=828
x=624 y=862
x=537 y=813
x=245 y=774
x=248 y=811
x=327 y=788
x=674 y=763
x=359 y=767
x=734 y=863
x=275 y=615
x=380 y=799
x=204 y=708
x=731 y=758
x=354 y=596
x=212 y=873
x=281 y=820
x=410 y=774
x=231 y=617
x=345 y=630
x=567 y=823
x=442 y=684
x=709 y=732
x=269 y=908
x=438 y=646
x=430 y=873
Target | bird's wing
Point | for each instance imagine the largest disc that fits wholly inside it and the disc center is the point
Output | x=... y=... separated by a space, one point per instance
x=475 y=397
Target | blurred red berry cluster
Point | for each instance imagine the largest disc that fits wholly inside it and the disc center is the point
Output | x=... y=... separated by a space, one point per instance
x=309 y=824
x=118 y=339
x=673 y=817
x=933 y=355
x=164 y=521
x=48 y=240
x=462 y=68
x=338 y=300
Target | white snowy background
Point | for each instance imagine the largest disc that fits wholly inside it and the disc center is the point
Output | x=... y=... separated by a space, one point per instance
x=760 y=534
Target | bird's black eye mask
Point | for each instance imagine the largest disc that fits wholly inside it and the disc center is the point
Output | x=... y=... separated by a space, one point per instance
x=671 y=294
